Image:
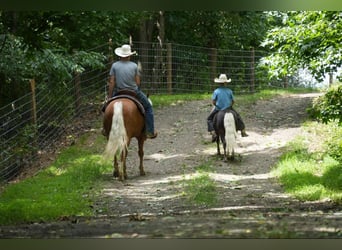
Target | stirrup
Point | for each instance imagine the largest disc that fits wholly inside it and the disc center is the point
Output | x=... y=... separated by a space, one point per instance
x=151 y=136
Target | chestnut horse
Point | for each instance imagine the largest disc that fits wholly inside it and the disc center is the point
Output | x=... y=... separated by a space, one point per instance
x=122 y=121
x=224 y=125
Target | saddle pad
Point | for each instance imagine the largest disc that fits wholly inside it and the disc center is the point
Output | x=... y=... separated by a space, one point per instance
x=135 y=100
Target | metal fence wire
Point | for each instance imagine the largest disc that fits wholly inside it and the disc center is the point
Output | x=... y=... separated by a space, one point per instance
x=31 y=125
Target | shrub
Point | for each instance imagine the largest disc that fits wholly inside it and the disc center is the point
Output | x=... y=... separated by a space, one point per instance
x=328 y=107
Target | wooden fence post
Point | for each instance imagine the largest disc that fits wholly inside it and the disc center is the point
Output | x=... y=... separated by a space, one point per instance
x=169 y=67
x=77 y=83
x=110 y=52
x=286 y=82
x=213 y=64
x=331 y=78
x=252 y=87
x=34 y=102
x=34 y=114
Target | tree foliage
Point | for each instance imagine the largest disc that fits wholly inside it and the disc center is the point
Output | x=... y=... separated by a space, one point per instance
x=217 y=29
x=50 y=46
x=305 y=39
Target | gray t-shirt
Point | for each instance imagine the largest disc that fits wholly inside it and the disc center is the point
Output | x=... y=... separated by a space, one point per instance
x=124 y=73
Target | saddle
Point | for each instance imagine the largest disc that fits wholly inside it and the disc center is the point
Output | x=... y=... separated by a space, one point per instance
x=218 y=117
x=126 y=94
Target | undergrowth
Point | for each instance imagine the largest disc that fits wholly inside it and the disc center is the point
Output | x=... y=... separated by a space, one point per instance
x=61 y=190
x=308 y=170
x=201 y=188
x=68 y=186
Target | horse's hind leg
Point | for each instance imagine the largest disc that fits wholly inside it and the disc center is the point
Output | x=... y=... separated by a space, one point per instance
x=141 y=156
x=232 y=157
x=224 y=148
x=124 y=156
x=218 y=145
x=116 y=167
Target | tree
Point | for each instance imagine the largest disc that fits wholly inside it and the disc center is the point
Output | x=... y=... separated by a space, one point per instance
x=305 y=39
x=51 y=46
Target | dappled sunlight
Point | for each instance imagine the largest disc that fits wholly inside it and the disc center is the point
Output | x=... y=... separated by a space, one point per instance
x=159 y=156
x=232 y=177
x=257 y=142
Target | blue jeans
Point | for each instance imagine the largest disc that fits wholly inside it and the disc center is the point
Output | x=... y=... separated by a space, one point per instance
x=149 y=119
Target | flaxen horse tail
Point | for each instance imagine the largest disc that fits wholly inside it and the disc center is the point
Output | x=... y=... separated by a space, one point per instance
x=117 y=141
x=230 y=132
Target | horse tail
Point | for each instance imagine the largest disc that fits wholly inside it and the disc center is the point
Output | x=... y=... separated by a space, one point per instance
x=231 y=134
x=117 y=141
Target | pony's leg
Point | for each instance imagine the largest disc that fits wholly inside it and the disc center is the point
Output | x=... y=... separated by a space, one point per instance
x=116 y=167
x=224 y=148
x=141 y=156
x=232 y=157
x=218 y=145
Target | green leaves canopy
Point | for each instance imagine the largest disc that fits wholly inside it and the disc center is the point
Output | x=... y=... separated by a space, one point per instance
x=305 y=39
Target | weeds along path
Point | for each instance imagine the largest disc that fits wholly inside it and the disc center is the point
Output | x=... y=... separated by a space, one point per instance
x=249 y=201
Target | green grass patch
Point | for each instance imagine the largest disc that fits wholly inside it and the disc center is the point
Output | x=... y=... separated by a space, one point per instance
x=61 y=190
x=165 y=100
x=201 y=189
x=175 y=99
x=68 y=186
x=310 y=175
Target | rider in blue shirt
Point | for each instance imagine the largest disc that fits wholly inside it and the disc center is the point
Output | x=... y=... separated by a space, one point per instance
x=223 y=99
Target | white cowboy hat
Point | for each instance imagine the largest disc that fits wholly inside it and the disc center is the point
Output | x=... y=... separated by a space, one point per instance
x=124 y=51
x=222 y=78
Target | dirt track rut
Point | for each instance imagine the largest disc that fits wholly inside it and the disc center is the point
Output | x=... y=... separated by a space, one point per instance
x=251 y=203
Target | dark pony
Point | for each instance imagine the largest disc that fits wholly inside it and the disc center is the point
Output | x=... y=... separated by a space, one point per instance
x=122 y=121
x=224 y=125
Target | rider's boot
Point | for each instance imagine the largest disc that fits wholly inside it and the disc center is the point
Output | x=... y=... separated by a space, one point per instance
x=243 y=133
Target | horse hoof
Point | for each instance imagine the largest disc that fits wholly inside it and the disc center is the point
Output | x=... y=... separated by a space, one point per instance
x=142 y=173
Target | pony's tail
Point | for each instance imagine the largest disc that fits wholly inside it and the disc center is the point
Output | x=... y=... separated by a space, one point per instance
x=231 y=134
x=117 y=142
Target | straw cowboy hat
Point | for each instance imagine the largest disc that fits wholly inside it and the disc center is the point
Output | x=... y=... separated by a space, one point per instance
x=124 y=51
x=222 y=79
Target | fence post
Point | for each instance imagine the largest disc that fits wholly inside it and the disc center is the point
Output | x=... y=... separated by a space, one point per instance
x=213 y=63
x=331 y=78
x=286 y=82
x=34 y=114
x=110 y=52
x=77 y=82
x=252 y=87
x=34 y=102
x=169 y=67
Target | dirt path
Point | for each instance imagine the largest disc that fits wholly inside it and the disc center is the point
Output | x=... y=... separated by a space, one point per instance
x=250 y=202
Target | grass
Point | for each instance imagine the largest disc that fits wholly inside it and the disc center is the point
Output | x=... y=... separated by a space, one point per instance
x=165 y=100
x=310 y=174
x=61 y=190
x=201 y=189
x=69 y=185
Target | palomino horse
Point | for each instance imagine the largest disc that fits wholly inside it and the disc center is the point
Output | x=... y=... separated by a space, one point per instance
x=224 y=125
x=122 y=121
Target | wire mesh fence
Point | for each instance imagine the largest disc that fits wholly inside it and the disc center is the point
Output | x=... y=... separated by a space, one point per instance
x=176 y=68
x=33 y=123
